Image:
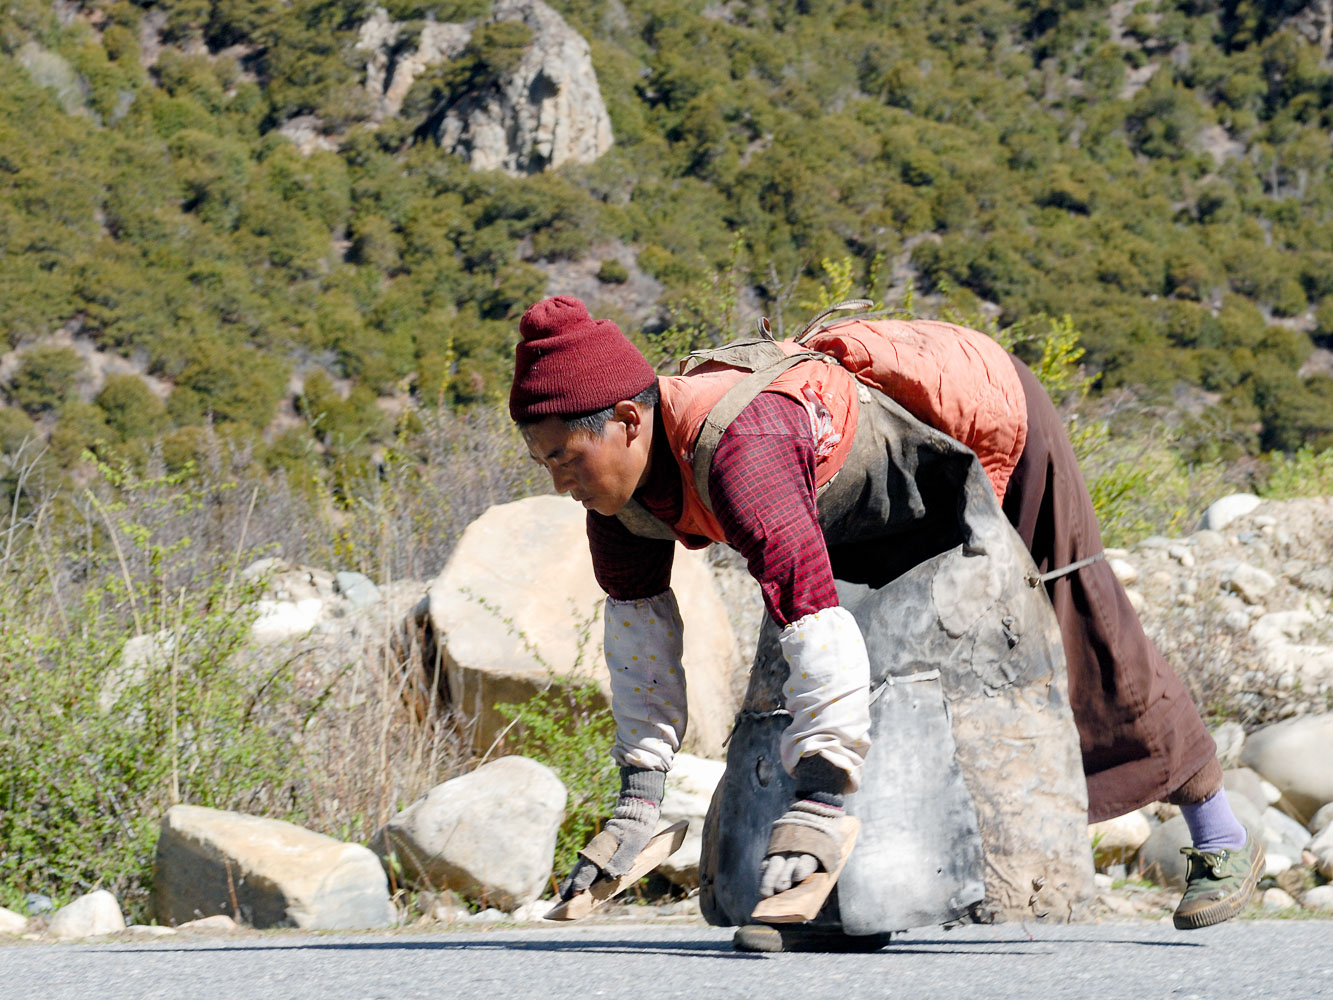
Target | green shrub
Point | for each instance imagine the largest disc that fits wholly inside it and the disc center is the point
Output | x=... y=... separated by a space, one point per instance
x=132 y=409
x=45 y=379
x=568 y=727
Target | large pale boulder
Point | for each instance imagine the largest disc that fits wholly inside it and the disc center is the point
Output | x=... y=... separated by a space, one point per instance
x=88 y=916
x=517 y=603
x=264 y=872
x=488 y=835
x=1294 y=755
x=689 y=788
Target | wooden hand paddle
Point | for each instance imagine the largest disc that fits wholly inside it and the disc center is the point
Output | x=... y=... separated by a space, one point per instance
x=802 y=902
x=662 y=845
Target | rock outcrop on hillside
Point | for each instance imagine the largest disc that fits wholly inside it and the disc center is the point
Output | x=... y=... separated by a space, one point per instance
x=547 y=111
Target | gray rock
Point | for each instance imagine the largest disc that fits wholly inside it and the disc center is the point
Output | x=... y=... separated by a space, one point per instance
x=1277 y=899
x=1124 y=571
x=1116 y=841
x=1322 y=849
x=1230 y=740
x=1294 y=755
x=12 y=923
x=92 y=915
x=266 y=872
x=36 y=904
x=1222 y=512
x=359 y=589
x=1247 y=784
x=150 y=930
x=1282 y=834
x=1250 y=583
x=488 y=835
x=218 y=923
x=1322 y=819
x=1319 y=898
x=1276 y=864
x=1160 y=859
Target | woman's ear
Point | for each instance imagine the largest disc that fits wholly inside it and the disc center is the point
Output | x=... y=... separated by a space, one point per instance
x=631 y=415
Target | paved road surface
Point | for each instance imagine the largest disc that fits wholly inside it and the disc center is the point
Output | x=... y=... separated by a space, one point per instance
x=1274 y=960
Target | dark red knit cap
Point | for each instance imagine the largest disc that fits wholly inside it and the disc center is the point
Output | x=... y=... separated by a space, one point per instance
x=568 y=363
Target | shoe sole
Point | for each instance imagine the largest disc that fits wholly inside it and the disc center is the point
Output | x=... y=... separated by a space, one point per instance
x=1224 y=909
x=776 y=938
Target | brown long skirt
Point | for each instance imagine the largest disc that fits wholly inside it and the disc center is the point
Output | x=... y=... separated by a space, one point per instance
x=1141 y=735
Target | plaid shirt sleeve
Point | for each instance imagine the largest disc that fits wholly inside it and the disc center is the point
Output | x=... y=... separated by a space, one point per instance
x=762 y=485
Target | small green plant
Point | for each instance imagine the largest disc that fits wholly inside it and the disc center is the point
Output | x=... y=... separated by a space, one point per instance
x=612 y=272
x=568 y=727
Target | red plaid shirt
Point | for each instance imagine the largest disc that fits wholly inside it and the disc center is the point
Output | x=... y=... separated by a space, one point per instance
x=762 y=485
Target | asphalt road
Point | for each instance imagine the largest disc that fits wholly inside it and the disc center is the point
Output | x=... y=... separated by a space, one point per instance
x=1268 y=959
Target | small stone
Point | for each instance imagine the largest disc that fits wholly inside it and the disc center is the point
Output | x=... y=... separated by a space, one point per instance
x=1117 y=904
x=1181 y=555
x=490 y=915
x=219 y=923
x=92 y=915
x=1319 y=898
x=1222 y=512
x=12 y=923
x=359 y=589
x=149 y=930
x=1276 y=864
x=1124 y=571
x=1276 y=899
x=1250 y=583
x=1116 y=841
x=1102 y=880
x=1136 y=600
x=1322 y=818
x=1237 y=621
x=531 y=913
x=36 y=904
x=1189 y=585
x=1262 y=521
x=445 y=907
x=1270 y=791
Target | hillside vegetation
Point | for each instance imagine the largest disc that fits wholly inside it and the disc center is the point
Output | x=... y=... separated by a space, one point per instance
x=1157 y=171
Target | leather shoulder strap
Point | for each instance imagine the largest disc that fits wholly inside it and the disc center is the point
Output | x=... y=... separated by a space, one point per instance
x=636 y=518
x=729 y=407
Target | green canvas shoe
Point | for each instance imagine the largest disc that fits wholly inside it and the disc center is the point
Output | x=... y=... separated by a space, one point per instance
x=1218 y=884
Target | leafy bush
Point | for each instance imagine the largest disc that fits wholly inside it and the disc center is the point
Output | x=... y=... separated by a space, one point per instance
x=45 y=378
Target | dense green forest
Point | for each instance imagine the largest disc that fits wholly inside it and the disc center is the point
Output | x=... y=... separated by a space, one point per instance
x=1158 y=172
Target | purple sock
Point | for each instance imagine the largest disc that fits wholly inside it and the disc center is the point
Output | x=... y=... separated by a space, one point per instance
x=1213 y=826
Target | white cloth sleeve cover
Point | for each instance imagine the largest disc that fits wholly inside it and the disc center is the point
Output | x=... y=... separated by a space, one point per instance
x=827 y=692
x=644 y=642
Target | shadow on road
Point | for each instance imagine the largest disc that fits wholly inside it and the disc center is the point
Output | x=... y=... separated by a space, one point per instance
x=680 y=949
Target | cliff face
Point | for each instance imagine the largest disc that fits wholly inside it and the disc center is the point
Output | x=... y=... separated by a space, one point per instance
x=547 y=111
